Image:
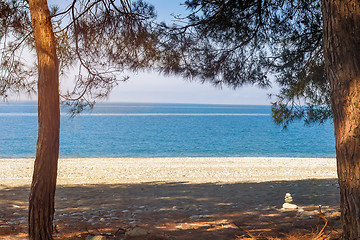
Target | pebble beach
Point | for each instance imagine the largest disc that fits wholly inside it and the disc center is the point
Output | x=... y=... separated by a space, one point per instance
x=177 y=198
x=18 y=172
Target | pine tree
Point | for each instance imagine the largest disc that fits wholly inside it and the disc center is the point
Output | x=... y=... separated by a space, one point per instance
x=311 y=48
x=101 y=38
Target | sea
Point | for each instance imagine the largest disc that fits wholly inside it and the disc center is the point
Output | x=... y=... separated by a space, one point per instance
x=165 y=130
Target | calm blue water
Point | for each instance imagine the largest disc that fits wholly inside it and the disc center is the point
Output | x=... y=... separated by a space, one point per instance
x=165 y=130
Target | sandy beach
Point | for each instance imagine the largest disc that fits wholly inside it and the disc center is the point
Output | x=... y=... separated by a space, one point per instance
x=178 y=198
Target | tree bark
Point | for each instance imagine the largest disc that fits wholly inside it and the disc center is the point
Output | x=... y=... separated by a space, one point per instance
x=341 y=32
x=42 y=191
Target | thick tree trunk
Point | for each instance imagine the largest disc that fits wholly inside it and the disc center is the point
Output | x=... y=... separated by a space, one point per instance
x=341 y=31
x=42 y=192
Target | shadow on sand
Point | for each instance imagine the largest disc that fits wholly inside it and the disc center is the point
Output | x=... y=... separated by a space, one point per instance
x=180 y=210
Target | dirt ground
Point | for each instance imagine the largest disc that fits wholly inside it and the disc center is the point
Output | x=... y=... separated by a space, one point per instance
x=182 y=210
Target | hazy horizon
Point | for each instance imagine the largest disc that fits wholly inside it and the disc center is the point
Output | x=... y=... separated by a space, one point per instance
x=152 y=87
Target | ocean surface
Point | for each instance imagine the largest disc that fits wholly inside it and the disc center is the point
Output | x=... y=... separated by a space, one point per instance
x=165 y=130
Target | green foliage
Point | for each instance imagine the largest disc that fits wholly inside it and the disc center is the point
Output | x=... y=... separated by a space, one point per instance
x=104 y=40
x=76 y=107
x=285 y=114
x=217 y=47
x=236 y=42
x=225 y=42
x=15 y=32
x=101 y=38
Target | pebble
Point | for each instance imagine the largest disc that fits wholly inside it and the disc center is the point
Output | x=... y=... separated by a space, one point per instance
x=301 y=210
x=136 y=232
x=264 y=218
x=198 y=216
x=93 y=232
x=308 y=213
x=336 y=214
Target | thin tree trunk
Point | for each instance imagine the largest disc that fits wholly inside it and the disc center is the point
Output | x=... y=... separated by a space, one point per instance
x=42 y=192
x=341 y=31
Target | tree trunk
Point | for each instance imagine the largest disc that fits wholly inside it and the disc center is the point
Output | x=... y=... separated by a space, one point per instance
x=42 y=192
x=341 y=31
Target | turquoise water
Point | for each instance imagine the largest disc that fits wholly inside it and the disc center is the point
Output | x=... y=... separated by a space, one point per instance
x=166 y=130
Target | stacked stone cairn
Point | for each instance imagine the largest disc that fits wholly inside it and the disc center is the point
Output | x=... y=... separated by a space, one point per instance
x=288 y=205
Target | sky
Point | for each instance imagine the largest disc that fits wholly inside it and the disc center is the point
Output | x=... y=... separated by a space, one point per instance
x=152 y=87
x=155 y=88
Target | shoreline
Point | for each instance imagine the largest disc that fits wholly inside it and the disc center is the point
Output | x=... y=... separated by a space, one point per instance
x=75 y=171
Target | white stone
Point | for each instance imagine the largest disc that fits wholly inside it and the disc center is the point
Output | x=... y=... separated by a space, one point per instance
x=289 y=206
x=288 y=198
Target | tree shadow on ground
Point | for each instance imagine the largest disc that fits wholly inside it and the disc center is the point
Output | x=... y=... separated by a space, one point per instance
x=181 y=210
